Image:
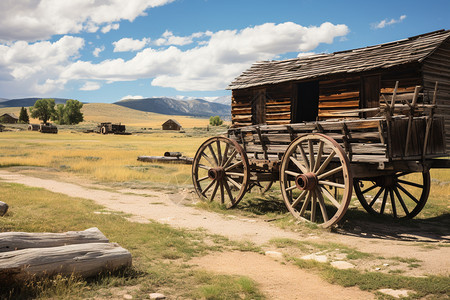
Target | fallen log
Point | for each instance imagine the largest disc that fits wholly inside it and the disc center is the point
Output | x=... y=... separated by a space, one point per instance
x=10 y=241
x=84 y=260
x=167 y=159
x=3 y=208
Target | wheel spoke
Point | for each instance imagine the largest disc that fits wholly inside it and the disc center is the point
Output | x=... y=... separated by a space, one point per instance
x=204 y=167
x=214 y=191
x=383 y=205
x=227 y=188
x=208 y=187
x=219 y=153
x=330 y=197
x=305 y=204
x=319 y=157
x=326 y=162
x=331 y=172
x=234 y=183
x=394 y=210
x=302 y=151
x=322 y=205
x=330 y=183
x=213 y=155
x=401 y=174
x=203 y=178
x=313 y=207
x=410 y=183
x=312 y=163
x=376 y=197
x=222 y=194
x=233 y=166
x=293 y=187
x=400 y=199
x=235 y=174
x=299 y=165
x=207 y=158
x=233 y=154
x=407 y=193
x=225 y=154
x=369 y=189
x=292 y=173
x=299 y=198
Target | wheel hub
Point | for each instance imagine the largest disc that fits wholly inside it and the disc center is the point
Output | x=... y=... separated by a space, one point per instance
x=307 y=181
x=386 y=181
x=216 y=173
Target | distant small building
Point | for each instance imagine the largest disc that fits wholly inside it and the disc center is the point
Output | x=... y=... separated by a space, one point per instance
x=9 y=118
x=171 y=125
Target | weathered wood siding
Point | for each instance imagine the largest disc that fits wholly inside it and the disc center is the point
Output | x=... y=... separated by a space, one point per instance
x=437 y=68
x=339 y=95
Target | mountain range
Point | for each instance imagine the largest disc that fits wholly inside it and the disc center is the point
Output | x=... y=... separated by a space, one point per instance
x=163 y=105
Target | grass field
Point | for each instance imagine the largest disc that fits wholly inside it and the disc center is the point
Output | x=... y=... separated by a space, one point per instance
x=159 y=251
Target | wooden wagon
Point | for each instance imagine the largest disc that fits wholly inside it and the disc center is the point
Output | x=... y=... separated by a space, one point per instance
x=319 y=156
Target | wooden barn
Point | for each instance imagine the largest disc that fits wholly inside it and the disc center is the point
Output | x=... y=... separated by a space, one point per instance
x=331 y=86
x=9 y=118
x=171 y=125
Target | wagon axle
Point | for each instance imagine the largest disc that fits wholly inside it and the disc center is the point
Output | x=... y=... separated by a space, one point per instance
x=216 y=173
x=306 y=182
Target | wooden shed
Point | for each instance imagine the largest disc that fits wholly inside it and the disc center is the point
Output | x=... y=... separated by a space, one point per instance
x=325 y=86
x=9 y=118
x=171 y=125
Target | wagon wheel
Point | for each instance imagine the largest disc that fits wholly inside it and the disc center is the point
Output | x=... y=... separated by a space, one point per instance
x=316 y=182
x=220 y=171
x=401 y=195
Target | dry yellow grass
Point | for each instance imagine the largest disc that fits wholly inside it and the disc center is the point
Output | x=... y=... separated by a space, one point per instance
x=104 y=112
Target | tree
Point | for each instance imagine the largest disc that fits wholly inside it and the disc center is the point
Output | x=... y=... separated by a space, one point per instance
x=215 y=121
x=43 y=109
x=68 y=114
x=23 y=116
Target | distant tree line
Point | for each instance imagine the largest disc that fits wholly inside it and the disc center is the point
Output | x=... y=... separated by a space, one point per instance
x=68 y=114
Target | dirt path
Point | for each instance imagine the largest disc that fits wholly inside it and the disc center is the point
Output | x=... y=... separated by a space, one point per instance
x=277 y=280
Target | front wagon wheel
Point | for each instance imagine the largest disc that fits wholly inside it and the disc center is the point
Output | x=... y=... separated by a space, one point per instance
x=315 y=178
x=220 y=171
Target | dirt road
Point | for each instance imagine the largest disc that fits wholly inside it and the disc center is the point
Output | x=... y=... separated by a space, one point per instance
x=278 y=281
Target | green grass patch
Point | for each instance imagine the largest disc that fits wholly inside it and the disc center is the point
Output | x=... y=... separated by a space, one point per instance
x=432 y=286
x=159 y=252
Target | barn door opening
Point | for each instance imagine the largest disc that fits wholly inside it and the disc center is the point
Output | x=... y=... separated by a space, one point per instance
x=370 y=96
x=306 y=106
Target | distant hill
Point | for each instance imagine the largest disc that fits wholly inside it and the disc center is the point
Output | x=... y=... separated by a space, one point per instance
x=27 y=102
x=169 y=106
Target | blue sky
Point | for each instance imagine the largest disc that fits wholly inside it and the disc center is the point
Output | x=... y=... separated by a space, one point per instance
x=104 y=51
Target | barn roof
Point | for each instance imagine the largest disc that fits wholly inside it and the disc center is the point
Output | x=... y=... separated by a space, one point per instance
x=383 y=56
x=172 y=121
x=12 y=115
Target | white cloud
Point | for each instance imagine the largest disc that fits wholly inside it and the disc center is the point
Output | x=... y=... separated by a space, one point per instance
x=90 y=86
x=35 y=68
x=212 y=64
x=40 y=19
x=132 y=97
x=110 y=27
x=128 y=44
x=385 y=22
x=168 y=38
x=97 y=51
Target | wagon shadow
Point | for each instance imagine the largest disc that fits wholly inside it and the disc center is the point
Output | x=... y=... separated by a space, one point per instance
x=430 y=230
